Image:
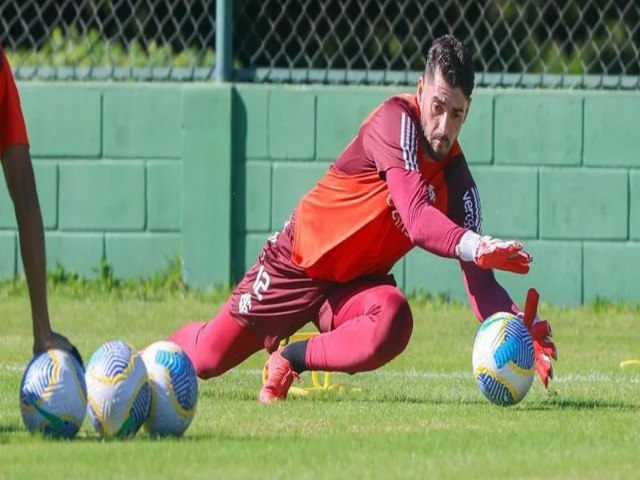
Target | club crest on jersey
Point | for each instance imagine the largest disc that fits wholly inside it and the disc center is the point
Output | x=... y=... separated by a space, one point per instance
x=431 y=194
x=395 y=216
x=244 y=305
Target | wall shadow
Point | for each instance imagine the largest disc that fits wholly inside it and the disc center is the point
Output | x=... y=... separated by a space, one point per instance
x=238 y=185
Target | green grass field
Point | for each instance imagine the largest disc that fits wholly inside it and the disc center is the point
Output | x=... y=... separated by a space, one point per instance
x=419 y=417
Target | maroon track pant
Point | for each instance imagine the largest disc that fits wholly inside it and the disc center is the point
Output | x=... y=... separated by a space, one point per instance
x=364 y=324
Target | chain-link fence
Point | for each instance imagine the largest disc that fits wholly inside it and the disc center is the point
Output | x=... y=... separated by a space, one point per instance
x=579 y=43
x=124 y=39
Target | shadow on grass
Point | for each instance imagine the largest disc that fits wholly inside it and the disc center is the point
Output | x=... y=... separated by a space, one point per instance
x=6 y=437
x=7 y=430
x=581 y=404
x=550 y=403
x=415 y=400
x=10 y=428
x=354 y=395
x=240 y=396
x=139 y=438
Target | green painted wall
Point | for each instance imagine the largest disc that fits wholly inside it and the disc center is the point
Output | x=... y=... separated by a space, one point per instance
x=136 y=174
x=140 y=173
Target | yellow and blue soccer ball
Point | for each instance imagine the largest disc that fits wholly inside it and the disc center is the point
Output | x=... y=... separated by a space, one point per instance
x=174 y=389
x=118 y=390
x=503 y=359
x=53 y=394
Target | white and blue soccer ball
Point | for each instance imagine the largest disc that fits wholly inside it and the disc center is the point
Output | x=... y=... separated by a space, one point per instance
x=174 y=389
x=503 y=359
x=53 y=394
x=118 y=390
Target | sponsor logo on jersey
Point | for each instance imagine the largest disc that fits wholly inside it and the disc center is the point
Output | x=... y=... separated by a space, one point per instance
x=395 y=216
x=472 y=210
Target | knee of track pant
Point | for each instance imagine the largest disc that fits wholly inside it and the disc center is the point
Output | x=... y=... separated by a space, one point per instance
x=207 y=367
x=395 y=326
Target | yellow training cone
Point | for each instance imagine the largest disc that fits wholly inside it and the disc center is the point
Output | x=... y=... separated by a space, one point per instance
x=317 y=385
x=630 y=363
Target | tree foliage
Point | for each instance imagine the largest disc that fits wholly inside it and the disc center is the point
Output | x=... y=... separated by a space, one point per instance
x=506 y=36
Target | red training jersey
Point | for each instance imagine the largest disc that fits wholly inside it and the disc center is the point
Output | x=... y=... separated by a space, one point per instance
x=12 y=127
x=347 y=226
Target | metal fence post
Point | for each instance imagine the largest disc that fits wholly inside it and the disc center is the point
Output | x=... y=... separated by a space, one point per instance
x=224 y=10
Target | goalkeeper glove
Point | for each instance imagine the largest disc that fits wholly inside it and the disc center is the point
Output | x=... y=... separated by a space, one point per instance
x=488 y=252
x=540 y=330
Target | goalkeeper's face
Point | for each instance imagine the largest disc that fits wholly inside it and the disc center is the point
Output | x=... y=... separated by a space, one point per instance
x=443 y=110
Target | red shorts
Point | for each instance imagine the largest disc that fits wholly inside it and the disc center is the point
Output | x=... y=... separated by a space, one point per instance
x=12 y=128
x=276 y=298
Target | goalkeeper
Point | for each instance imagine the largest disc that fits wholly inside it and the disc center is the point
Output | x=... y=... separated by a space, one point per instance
x=401 y=182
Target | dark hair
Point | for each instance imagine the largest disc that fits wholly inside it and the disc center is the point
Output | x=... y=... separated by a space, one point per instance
x=453 y=60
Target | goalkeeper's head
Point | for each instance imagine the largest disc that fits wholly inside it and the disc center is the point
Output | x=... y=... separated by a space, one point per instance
x=444 y=93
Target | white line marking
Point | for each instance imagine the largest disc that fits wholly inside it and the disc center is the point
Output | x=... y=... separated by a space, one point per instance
x=424 y=374
x=461 y=375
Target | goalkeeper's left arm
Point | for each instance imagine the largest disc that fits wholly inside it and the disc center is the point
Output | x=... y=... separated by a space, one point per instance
x=433 y=231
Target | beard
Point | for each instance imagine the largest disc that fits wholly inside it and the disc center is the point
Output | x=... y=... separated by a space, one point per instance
x=438 y=147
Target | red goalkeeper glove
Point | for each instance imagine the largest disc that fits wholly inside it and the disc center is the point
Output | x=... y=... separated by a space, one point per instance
x=488 y=252
x=540 y=330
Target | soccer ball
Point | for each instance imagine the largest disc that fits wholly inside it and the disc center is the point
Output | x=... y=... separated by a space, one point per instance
x=53 y=394
x=174 y=389
x=118 y=389
x=503 y=359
